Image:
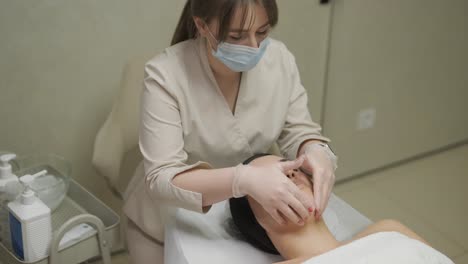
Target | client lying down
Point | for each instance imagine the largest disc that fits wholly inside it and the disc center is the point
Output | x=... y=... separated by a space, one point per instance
x=385 y=241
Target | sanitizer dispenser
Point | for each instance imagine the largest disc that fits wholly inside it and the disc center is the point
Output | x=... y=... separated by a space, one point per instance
x=30 y=223
x=9 y=188
x=6 y=174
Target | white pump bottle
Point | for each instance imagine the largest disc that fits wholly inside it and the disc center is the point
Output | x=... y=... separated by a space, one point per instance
x=30 y=223
x=9 y=188
x=6 y=171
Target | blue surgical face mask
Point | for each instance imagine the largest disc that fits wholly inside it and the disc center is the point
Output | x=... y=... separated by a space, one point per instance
x=240 y=58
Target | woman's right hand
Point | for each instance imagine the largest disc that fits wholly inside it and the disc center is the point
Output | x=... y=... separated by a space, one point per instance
x=270 y=187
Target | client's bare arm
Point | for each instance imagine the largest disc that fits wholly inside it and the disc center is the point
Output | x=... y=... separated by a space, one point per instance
x=387 y=225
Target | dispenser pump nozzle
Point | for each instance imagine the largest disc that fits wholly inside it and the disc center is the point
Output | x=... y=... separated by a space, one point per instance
x=28 y=196
x=5 y=167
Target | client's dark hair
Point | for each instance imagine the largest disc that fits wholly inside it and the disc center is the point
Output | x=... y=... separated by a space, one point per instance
x=245 y=220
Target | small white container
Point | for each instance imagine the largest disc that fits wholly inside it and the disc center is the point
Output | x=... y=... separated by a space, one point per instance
x=30 y=223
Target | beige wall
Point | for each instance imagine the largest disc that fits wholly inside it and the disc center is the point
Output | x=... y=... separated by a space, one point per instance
x=304 y=26
x=61 y=62
x=409 y=61
x=60 y=66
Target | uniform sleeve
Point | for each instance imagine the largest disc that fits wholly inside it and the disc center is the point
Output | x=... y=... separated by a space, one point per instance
x=162 y=144
x=298 y=126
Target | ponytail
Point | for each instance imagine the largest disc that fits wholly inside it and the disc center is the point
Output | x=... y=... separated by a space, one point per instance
x=186 y=27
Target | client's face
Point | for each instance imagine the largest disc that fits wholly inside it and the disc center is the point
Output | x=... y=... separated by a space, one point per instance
x=298 y=177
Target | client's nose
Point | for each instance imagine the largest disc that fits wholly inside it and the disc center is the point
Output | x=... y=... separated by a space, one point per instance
x=291 y=174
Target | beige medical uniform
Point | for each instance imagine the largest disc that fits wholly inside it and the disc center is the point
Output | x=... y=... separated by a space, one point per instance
x=187 y=123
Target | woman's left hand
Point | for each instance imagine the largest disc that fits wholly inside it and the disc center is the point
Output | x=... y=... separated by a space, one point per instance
x=321 y=163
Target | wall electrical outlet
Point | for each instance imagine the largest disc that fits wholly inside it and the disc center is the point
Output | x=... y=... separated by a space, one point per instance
x=366 y=119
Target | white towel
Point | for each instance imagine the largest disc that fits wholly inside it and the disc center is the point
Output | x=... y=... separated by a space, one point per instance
x=382 y=248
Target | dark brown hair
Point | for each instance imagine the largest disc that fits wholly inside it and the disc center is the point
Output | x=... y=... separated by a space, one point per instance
x=223 y=10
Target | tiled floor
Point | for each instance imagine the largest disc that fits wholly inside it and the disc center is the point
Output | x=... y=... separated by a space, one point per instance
x=429 y=195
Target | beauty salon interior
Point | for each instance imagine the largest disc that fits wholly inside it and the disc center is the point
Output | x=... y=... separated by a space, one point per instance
x=155 y=131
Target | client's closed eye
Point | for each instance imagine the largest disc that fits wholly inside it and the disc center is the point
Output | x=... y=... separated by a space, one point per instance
x=306 y=173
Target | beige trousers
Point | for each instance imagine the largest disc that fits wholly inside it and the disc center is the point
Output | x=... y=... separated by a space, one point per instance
x=142 y=248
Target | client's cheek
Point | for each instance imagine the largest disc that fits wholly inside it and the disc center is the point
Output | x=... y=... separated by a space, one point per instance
x=303 y=179
x=259 y=213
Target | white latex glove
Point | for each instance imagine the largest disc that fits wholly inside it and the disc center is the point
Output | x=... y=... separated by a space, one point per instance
x=321 y=163
x=271 y=188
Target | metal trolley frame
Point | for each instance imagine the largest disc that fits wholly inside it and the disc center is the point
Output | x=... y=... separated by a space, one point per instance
x=80 y=206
